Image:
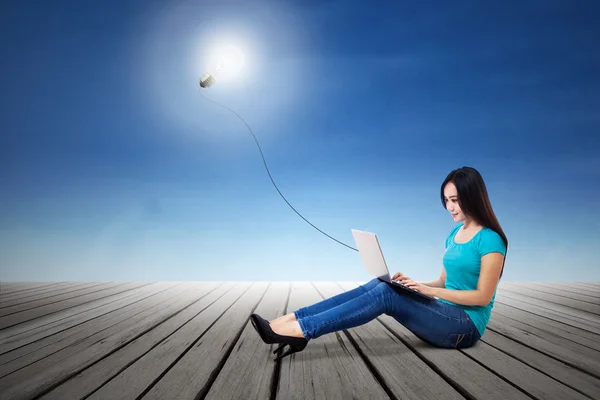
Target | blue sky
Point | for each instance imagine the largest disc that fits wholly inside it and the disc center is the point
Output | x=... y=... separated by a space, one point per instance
x=114 y=168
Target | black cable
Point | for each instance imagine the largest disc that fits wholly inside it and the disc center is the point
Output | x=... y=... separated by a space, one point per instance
x=267 y=168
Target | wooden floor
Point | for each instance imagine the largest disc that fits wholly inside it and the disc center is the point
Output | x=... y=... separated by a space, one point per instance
x=193 y=340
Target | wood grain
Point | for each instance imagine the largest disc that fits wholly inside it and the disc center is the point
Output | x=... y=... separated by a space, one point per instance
x=193 y=340
x=404 y=373
x=329 y=368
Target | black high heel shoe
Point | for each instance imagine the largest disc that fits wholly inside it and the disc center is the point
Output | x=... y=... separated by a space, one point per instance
x=267 y=335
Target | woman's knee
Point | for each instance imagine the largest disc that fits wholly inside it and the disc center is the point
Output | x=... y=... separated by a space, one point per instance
x=371 y=284
x=384 y=295
x=384 y=287
x=379 y=288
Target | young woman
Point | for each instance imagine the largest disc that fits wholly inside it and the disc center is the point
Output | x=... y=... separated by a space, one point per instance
x=472 y=266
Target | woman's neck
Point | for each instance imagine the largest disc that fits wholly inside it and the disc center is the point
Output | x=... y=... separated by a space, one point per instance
x=470 y=224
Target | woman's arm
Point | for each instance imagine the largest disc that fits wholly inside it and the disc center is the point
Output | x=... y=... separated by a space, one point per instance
x=491 y=266
x=463 y=297
x=439 y=282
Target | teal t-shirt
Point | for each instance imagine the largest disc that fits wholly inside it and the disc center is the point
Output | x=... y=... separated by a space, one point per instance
x=462 y=262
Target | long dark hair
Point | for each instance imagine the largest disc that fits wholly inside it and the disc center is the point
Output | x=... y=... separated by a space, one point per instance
x=474 y=200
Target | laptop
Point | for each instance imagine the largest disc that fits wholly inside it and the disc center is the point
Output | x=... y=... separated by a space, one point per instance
x=372 y=257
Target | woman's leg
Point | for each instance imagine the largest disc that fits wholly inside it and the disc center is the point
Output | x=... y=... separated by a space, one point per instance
x=326 y=304
x=435 y=322
x=336 y=300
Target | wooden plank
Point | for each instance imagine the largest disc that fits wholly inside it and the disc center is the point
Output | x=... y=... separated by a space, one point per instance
x=329 y=368
x=35 y=291
x=576 y=304
x=560 y=292
x=589 y=289
x=18 y=318
x=91 y=287
x=35 y=329
x=526 y=299
x=569 y=288
x=469 y=375
x=591 y=285
x=46 y=373
x=548 y=313
x=573 y=378
x=181 y=366
x=28 y=354
x=544 y=361
x=249 y=370
x=9 y=283
x=13 y=284
x=568 y=332
x=15 y=338
x=404 y=374
x=35 y=300
x=90 y=379
x=43 y=290
x=12 y=288
x=535 y=383
x=4 y=283
x=548 y=343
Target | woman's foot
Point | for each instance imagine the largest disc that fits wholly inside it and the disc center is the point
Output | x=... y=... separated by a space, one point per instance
x=295 y=340
x=285 y=318
x=290 y=328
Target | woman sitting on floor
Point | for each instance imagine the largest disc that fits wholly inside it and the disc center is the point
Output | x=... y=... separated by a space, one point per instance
x=473 y=264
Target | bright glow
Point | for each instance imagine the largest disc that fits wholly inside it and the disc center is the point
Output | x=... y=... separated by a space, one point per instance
x=176 y=46
x=227 y=63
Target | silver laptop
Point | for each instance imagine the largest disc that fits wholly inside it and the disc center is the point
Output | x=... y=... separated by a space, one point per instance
x=372 y=257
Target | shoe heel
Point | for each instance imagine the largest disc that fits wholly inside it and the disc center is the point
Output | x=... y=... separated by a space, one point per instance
x=289 y=351
x=280 y=347
x=292 y=349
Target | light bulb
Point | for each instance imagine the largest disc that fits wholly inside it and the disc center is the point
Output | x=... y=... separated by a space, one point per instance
x=226 y=64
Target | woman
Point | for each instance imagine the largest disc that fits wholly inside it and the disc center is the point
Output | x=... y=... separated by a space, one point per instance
x=472 y=266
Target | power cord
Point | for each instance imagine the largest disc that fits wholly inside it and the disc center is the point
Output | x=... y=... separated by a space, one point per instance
x=267 y=168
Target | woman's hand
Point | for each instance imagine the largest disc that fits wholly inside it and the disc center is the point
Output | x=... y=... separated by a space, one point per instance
x=419 y=287
x=397 y=276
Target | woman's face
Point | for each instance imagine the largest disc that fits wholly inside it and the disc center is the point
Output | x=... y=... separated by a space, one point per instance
x=451 y=199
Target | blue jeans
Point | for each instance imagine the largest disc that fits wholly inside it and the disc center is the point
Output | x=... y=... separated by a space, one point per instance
x=435 y=322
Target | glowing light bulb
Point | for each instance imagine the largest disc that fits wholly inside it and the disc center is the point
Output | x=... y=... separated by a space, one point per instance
x=227 y=63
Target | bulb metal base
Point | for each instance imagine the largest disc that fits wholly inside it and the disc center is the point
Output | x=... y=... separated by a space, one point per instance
x=207 y=80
